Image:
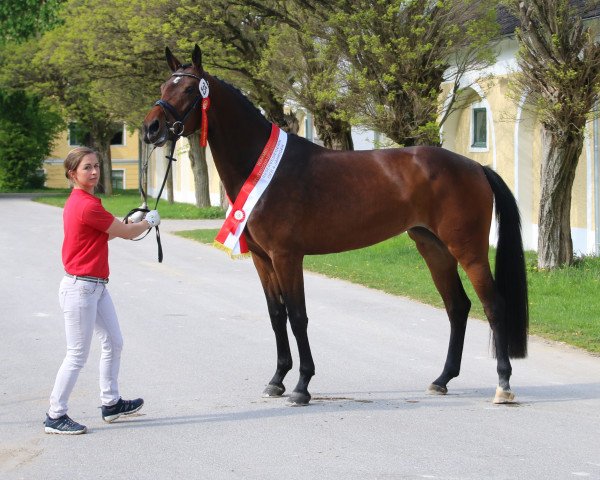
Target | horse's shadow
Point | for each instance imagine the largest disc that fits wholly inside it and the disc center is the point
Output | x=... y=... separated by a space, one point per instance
x=376 y=401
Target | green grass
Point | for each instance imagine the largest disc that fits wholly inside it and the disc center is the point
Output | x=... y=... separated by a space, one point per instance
x=564 y=303
x=49 y=191
x=119 y=204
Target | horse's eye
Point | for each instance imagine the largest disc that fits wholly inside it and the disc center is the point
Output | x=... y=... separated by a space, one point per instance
x=190 y=90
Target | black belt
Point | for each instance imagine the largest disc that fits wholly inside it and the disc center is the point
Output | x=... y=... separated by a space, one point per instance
x=87 y=278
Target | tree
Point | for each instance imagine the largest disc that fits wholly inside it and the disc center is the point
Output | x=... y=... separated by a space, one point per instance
x=27 y=127
x=28 y=124
x=397 y=55
x=233 y=36
x=298 y=64
x=58 y=69
x=23 y=19
x=232 y=39
x=200 y=170
x=559 y=60
x=61 y=64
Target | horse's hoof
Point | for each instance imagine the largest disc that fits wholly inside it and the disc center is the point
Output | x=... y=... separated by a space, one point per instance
x=503 y=396
x=437 y=390
x=273 y=391
x=299 y=399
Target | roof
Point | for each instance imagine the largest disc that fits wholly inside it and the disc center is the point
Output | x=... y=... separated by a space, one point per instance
x=508 y=22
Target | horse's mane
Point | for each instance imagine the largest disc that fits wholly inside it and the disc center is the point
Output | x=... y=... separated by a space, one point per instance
x=236 y=91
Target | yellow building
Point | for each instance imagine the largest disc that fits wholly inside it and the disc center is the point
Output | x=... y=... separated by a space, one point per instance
x=124 y=152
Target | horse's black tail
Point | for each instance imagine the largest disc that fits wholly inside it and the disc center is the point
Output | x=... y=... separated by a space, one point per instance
x=511 y=277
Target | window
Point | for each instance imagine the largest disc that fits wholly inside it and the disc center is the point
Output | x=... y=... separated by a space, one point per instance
x=479 y=128
x=119 y=136
x=118 y=177
x=308 y=127
x=78 y=135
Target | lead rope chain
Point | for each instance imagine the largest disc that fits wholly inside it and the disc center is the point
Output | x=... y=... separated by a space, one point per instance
x=144 y=207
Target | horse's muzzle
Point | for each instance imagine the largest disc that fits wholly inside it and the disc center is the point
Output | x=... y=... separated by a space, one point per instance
x=155 y=133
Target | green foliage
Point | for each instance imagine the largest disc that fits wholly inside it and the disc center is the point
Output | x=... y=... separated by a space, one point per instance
x=397 y=54
x=234 y=37
x=559 y=59
x=23 y=19
x=28 y=127
x=374 y=63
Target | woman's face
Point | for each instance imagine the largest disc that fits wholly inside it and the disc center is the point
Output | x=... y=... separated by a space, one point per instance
x=87 y=174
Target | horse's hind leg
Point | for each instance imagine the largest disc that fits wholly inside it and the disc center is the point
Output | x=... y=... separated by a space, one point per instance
x=477 y=267
x=278 y=315
x=443 y=268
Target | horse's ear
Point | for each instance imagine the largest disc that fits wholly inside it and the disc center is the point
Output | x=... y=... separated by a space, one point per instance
x=173 y=63
x=197 y=58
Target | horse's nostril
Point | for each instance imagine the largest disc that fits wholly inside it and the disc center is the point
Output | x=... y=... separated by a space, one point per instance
x=153 y=128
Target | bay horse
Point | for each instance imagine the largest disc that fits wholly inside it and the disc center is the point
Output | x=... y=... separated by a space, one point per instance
x=324 y=201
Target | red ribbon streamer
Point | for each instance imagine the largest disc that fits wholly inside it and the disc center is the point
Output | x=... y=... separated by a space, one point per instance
x=204 y=131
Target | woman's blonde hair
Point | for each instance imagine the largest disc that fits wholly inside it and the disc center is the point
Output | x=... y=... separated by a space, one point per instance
x=74 y=158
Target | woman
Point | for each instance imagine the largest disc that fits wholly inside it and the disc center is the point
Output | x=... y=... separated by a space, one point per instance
x=83 y=295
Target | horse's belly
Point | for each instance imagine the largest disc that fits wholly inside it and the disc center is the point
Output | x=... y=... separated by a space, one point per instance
x=351 y=231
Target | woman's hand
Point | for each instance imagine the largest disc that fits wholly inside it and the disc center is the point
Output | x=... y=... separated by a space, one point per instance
x=127 y=230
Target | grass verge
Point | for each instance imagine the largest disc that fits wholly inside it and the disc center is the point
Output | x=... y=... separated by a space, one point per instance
x=564 y=303
x=120 y=203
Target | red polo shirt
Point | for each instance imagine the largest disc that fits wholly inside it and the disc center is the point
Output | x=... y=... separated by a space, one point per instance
x=85 y=247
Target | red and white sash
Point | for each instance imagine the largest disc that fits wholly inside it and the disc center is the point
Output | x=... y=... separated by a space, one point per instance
x=230 y=238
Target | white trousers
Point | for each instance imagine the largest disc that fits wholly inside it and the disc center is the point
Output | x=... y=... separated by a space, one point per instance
x=87 y=308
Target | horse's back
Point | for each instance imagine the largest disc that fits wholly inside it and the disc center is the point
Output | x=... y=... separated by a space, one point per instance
x=364 y=197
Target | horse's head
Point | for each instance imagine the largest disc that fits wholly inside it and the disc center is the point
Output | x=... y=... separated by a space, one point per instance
x=173 y=115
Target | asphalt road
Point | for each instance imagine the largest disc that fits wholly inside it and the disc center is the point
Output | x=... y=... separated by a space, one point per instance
x=199 y=349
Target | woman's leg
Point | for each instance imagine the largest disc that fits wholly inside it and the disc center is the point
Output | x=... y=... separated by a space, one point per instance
x=109 y=332
x=78 y=300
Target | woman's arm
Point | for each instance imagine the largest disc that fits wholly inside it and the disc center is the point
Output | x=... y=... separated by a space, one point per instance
x=127 y=230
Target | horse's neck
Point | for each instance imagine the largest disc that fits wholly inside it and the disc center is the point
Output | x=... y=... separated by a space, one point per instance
x=237 y=134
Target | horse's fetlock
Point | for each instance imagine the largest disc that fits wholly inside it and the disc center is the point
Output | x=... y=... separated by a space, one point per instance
x=307 y=372
x=285 y=366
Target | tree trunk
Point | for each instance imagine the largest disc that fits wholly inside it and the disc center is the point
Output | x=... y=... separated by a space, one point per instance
x=559 y=162
x=334 y=133
x=341 y=141
x=200 y=170
x=275 y=111
x=144 y=159
x=224 y=201
x=102 y=145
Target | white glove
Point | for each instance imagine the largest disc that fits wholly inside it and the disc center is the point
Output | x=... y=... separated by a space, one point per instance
x=137 y=217
x=153 y=218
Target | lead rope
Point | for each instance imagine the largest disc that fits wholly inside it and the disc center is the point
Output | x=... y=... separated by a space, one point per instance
x=144 y=207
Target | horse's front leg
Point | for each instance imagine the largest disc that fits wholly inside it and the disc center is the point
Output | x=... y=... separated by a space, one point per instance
x=288 y=269
x=278 y=315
